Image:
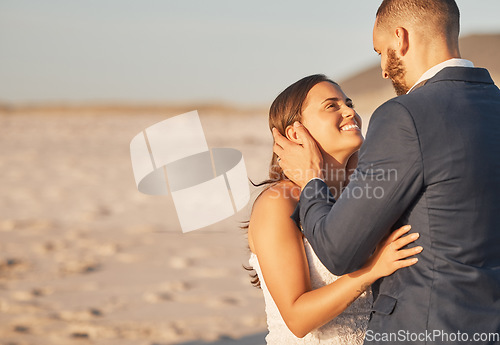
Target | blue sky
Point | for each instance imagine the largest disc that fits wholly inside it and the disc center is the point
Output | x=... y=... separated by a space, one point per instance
x=187 y=51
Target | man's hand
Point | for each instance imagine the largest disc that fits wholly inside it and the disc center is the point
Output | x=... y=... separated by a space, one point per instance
x=300 y=162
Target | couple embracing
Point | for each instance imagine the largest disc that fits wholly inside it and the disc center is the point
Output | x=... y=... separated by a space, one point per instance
x=417 y=262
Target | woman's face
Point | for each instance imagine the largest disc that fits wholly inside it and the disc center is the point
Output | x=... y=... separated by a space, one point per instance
x=330 y=118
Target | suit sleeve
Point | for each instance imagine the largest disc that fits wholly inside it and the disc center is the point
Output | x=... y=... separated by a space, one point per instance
x=388 y=178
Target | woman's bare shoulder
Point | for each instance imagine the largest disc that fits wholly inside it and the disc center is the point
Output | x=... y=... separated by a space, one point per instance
x=282 y=194
x=271 y=213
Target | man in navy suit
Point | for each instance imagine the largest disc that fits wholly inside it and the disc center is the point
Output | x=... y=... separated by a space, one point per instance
x=431 y=159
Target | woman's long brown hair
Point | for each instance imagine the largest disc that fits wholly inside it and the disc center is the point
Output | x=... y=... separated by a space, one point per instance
x=285 y=110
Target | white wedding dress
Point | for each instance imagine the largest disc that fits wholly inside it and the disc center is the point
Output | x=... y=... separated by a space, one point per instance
x=346 y=329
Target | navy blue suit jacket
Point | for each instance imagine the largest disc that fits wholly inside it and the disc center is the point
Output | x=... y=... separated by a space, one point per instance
x=430 y=159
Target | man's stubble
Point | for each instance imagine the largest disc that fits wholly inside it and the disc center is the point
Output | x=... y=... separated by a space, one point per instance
x=397 y=72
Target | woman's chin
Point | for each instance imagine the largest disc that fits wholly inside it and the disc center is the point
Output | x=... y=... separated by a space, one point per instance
x=355 y=144
x=343 y=147
x=358 y=142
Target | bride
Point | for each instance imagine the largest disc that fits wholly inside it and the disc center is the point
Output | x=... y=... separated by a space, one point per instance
x=306 y=304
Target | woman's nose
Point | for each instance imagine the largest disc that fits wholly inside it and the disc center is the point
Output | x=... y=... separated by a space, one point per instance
x=348 y=112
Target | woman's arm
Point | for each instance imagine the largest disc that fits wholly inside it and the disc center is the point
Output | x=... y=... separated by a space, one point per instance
x=279 y=247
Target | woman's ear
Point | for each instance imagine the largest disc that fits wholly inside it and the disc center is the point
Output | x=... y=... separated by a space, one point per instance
x=291 y=135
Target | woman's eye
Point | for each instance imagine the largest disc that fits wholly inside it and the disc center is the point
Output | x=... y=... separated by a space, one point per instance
x=330 y=106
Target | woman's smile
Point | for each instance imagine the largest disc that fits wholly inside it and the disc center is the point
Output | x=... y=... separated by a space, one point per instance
x=349 y=127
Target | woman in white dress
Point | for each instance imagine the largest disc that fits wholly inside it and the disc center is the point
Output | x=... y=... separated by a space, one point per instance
x=306 y=304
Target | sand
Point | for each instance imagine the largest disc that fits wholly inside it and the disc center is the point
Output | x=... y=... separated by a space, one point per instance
x=87 y=259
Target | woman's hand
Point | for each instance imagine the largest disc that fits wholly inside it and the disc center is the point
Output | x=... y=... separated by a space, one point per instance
x=389 y=257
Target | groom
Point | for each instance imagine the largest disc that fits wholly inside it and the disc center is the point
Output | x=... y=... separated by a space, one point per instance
x=431 y=159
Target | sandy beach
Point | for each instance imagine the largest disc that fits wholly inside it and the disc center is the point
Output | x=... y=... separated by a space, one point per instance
x=87 y=259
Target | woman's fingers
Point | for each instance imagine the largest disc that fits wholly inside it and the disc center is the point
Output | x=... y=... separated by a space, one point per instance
x=403 y=254
x=404 y=241
x=398 y=233
x=406 y=263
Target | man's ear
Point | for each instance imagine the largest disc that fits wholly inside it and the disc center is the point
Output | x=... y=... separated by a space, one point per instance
x=402 y=41
x=291 y=135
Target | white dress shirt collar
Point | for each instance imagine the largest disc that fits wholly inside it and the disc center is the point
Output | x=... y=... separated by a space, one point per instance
x=434 y=70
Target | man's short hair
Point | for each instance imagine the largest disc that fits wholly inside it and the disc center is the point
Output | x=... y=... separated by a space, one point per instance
x=428 y=16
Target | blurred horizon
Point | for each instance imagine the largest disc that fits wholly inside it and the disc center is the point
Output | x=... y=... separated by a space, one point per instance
x=168 y=52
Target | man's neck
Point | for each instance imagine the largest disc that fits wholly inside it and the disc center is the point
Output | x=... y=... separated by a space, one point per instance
x=430 y=73
x=429 y=56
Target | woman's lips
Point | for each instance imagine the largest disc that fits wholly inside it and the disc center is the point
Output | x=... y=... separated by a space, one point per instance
x=349 y=127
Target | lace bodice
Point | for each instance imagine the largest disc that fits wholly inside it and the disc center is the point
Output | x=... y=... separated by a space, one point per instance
x=346 y=329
